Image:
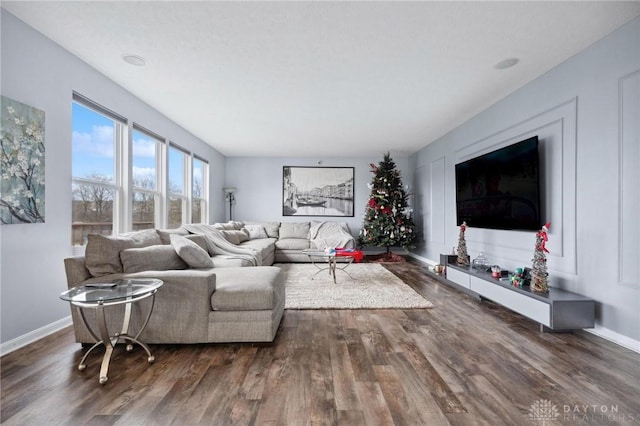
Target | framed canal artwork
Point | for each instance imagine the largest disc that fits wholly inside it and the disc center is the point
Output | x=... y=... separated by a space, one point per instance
x=317 y=191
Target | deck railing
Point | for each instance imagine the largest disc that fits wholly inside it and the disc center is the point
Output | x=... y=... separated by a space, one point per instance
x=80 y=230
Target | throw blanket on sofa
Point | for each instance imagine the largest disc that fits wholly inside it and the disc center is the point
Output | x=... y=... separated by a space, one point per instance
x=218 y=244
x=330 y=234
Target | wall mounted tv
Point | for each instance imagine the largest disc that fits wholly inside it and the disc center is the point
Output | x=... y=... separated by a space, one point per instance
x=501 y=189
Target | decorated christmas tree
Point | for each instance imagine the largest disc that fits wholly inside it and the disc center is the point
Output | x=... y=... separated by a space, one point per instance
x=463 y=257
x=387 y=218
x=539 y=275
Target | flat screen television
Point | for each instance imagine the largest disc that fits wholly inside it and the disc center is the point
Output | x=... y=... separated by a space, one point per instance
x=501 y=189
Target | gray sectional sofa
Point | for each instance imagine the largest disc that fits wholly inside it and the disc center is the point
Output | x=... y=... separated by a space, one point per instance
x=219 y=285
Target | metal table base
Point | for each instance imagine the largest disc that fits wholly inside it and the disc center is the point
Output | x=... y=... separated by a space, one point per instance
x=110 y=341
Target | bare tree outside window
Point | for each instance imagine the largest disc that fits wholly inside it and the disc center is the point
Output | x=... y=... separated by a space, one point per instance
x=92 y=209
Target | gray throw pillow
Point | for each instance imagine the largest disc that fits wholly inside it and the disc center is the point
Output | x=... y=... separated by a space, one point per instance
x=153 y=258
x=103 y=251
x=191 y=252
x=235 y=237
x=256 y=232
x=199 y=239
x=164 y=234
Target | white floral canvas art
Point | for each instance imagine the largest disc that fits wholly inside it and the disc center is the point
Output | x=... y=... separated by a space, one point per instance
x=21 y=163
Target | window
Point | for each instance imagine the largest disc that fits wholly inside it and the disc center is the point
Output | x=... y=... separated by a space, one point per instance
x=145 y=182
x=178 y=198
x=119 y=185
x=97 y=137
x=199 y=191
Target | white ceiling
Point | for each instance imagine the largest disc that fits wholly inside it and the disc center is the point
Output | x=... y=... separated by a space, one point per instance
x=322 y=78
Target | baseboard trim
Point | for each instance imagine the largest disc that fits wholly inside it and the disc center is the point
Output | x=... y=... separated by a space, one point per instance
x=424 y=260
x=603 y=332
x=32 y=336
x=614 y=337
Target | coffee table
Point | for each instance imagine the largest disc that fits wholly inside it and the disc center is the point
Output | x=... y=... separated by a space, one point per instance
x=102 y=295
x=330 y=258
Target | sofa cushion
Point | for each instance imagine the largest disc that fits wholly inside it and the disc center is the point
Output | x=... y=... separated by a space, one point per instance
x=264 y=246
x=152 y=258
x=247 y=289
x=230 y=261
x=294 y=230
x=103 y=251
x=292 y=244
x=194 y=255
x=272 y=228
x=256 y=232
x=235 y=236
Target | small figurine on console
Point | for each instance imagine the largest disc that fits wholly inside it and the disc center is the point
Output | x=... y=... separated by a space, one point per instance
x=517 y=278
x=496 y=271
x=463 y=257
x=539 y=274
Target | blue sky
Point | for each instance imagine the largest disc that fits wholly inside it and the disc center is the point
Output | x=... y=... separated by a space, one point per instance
x=93 y=149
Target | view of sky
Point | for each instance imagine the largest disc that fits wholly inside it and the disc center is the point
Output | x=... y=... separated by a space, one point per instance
x=93 y=152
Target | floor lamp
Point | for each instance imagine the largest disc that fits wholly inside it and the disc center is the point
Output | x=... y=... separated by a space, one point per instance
x=229 y=196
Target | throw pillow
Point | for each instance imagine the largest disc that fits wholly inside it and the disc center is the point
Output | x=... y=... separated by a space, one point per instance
x=191 y=252
x=235 y=237
x=152 y=258
x=256 y=232
x=103 y=251
x=236 y=225
x=164 y=234
x=199 y=239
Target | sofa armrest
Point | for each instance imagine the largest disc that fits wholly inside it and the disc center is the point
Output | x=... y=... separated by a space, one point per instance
x=76 y=270
x=181 y=310
x=182 y=307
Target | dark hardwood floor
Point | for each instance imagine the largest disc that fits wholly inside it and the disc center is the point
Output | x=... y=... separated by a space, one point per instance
x=462 y=363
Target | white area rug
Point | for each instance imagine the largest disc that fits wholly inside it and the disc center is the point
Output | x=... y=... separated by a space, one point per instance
x=372 y=287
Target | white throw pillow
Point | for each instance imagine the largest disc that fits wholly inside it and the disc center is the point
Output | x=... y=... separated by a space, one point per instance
x=191 y=252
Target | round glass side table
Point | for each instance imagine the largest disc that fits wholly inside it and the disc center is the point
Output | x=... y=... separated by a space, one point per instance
x=102 y=295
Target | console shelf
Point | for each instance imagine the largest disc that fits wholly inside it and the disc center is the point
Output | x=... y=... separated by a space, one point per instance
x=557 y=310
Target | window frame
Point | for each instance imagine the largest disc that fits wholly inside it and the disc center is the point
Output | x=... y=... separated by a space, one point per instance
x=123 y=180
x=156 y=193
x=120 y=135
x=204 y=198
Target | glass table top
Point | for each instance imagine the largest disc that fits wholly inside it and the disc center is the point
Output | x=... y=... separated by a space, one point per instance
x=111 y=291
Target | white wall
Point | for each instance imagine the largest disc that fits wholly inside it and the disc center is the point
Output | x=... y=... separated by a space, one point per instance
x=587 y=112
x=37 y=72
x=259 y=184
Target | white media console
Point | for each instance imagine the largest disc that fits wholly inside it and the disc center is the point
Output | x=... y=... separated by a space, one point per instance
x=557 y=310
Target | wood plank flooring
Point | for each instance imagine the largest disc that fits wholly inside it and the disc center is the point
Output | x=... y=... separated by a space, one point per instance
x=464 y=362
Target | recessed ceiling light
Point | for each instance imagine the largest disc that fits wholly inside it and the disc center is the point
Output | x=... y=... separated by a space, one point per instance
x=136 y=60
x=506 y=63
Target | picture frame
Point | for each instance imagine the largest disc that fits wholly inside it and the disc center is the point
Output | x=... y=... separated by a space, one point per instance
x=318 y=191
x=22 y=161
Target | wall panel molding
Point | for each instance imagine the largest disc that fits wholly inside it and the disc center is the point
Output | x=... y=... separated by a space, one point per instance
x=556 y=130
x=437 y=190
x=629 y=181
x=420 y=206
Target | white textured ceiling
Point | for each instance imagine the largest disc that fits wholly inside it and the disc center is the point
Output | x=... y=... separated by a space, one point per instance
x=322 y=78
